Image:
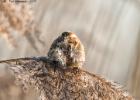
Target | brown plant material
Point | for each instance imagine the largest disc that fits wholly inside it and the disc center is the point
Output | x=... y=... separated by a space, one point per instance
x=54 y=79
x=16 y=18
x=10 y=91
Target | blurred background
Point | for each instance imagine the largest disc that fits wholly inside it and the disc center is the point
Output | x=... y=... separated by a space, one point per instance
x=109 y=30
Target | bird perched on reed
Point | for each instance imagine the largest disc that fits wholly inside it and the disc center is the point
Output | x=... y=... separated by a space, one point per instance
x=69 y=81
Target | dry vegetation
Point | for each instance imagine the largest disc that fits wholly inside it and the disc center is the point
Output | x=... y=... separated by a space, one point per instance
x=10 y=91
x=60 y=76
x=56 y=83
x=106 y=47
x=17 y=18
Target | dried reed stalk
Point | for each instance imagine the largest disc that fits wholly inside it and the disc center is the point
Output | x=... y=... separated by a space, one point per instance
x=16 y=18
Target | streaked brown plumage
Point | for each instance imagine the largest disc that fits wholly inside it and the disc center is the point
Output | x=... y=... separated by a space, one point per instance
x=67 y=50
x=69 y=81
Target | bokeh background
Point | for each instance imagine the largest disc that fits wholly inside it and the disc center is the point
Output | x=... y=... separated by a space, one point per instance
x=109 y=30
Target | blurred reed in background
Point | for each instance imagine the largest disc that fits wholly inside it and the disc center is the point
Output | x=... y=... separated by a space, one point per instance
x=109 y=30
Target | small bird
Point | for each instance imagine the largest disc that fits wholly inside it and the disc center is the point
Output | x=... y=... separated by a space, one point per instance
x=69 y=81
x=67 y=51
